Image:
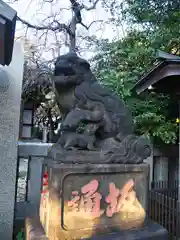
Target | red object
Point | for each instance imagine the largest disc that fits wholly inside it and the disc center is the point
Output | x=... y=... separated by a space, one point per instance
x=112 y=199
x=118 y=198
x=88 y=200
x=45 y=183
x=45 y=175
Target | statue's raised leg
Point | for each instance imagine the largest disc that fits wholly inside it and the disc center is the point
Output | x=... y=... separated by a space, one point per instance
x=71 y=141
x=76 y=116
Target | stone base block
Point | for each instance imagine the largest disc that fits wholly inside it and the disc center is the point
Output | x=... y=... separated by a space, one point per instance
x=93 y=199
x=151 y=231
x=34 y=229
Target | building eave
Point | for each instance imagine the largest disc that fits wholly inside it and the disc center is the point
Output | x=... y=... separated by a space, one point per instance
x=163 y=69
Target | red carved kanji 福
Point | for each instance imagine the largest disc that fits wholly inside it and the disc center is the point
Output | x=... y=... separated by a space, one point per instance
x=88 y=200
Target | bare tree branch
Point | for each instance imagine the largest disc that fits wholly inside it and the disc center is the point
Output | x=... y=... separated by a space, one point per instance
x=83 y=6
x=58 y=26
x=91 y=7
x=68 y=30
x=88 y=27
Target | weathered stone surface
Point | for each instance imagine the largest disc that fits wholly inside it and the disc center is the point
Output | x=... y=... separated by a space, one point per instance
x=150 y=231
x=93 y=118
x=121 y=154
x=62 y=221
x=10 y=99
x=34 y=229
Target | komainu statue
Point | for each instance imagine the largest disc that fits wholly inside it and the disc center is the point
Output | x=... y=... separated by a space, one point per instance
x=93 y=118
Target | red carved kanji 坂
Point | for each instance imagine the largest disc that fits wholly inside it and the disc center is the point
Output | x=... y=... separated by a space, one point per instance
x=88 y=200
x=112 y=199
x=119 y=200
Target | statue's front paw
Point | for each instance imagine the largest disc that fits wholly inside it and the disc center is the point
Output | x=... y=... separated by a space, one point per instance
x=69 y=147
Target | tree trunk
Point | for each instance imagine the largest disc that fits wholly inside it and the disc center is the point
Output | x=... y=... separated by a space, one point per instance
x=72 y=36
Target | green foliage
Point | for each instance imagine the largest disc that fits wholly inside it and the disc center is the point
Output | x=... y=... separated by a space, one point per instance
x=156 y=126
x=158 y=19
x=20 y=235
x=124 y=60
x=80 y=128
x=119 y=65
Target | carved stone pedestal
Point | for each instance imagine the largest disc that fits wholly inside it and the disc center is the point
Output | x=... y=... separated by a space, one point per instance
x=86 y=199
x=95 y=202
x=150 y=231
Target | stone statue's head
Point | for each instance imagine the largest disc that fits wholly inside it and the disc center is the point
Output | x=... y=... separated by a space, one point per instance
x=70 y=70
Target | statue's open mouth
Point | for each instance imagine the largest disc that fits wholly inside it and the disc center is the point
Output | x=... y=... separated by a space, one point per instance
x=65 y=80
x=64 y=75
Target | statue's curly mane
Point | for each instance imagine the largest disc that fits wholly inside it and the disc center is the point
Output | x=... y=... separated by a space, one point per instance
x=95 y=92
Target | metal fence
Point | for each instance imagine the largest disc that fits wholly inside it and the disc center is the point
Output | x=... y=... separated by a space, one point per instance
x=167 y=188
x=164 y=206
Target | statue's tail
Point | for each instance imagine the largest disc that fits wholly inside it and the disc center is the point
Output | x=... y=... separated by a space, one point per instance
x=140 y=145
x=127 y=149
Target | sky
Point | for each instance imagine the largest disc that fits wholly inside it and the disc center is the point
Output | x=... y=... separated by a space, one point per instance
x=36 y=11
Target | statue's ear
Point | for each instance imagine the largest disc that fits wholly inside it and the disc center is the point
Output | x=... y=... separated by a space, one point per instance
x=83 y=63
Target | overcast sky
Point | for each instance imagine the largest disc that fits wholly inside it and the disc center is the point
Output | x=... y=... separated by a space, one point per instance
x=35 y=11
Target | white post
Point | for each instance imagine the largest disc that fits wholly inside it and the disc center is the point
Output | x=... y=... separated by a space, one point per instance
x=45 y=132
x=10 y=97
x=161 y=169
